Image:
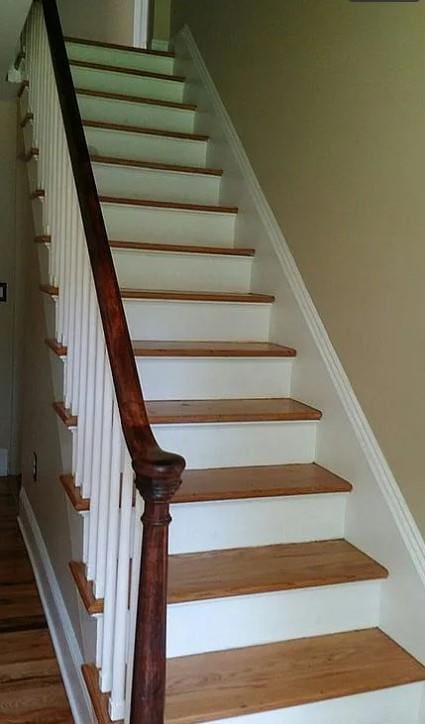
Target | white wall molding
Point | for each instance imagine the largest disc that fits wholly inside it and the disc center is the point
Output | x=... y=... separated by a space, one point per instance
x=140 y=23
x=386 y=493
x=64 y=640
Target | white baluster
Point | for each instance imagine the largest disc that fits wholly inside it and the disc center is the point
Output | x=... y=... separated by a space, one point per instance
x=116 y=703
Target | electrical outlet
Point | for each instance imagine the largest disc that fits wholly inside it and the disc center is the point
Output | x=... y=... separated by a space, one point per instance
x=3 y=291
x=34 y=467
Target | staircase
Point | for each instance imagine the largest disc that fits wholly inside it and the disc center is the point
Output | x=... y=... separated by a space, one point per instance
x=272 y=615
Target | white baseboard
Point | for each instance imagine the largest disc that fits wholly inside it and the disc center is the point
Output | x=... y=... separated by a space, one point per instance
x=380 y=520
x=64 y=640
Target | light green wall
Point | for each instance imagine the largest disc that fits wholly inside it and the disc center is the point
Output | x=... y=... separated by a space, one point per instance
x=161 y=30
x=328 y=97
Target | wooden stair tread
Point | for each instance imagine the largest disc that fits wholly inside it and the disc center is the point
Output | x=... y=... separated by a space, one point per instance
x=108 y=125
x=126 y=70
x=100 y=701
x=258 y=482
x=177 y=295
x=167 y=204
x=244 y=571
x=185 y=248
x=85 y=588
x=59 y=349
x=65 y=415
x=197 y=296
x=163 y=412
x=129 y=98
x=237 y=682
x=74 y=493
x=116 y=46
x=178 y=168
x=149 y=348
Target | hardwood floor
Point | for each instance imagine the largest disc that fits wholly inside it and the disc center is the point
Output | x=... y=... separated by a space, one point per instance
x=31 y=688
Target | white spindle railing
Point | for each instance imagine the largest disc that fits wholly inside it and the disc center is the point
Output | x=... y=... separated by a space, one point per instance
x=101 y=462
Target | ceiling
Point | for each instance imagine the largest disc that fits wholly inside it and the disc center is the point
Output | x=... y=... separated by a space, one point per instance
x=12 y=19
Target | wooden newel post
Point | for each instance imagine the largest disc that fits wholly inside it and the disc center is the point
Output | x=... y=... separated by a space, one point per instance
x=148 y=694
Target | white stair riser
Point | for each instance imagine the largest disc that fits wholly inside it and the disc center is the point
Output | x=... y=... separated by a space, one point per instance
x=136 y=114
x=33 y=170
x=133 y=182
x=396 y=705
x=171 y=226
x=146 y=147
x=115 y=82
x=203 y=321
x=234 y=444
x=149 y=270
x=238 y=621
x=227 y=524
x=24 y=104
x=38 y=216
x=122 y=58
x=201 y=378
x=28 y=132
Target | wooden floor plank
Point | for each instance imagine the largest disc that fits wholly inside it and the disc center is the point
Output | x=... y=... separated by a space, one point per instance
x=229 y=683
x=31 y=688
x=258 y=482
x=243 y=571
x=283 y=409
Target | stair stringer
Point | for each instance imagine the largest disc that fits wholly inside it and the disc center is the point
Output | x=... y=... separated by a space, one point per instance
x=51 y=541
x=378 y=519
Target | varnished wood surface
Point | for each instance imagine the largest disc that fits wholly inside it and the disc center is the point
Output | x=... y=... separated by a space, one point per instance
x=135 y=99
x=127 y=71
x=59 y=349
x=196 y=296
x=101 y=44
x=65 y=415
x=185 y=248
x=28 y=117
x=37 y=194
x=74 y=494
x=156 y=166
x=49 y=289
x=85 y=588
x=98 y=700
x=163 y=412
x=212 y=686
x=22 y=87
x=258 y=482
x=149 y=348
x=142 y=129
x=243 y=571
x=31 y=689
x=168 y=204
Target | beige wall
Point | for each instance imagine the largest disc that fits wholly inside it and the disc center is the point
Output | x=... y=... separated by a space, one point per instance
x=110 y=20
x=107 y=20
x=328 y=99
x=7 y=270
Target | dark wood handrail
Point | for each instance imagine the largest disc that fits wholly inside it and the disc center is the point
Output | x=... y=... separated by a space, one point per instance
x=158 y=473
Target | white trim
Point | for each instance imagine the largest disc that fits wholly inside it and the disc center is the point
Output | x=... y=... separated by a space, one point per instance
x=160 y=44
x=64 y=640
x=140 y=23
x=410 y=538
